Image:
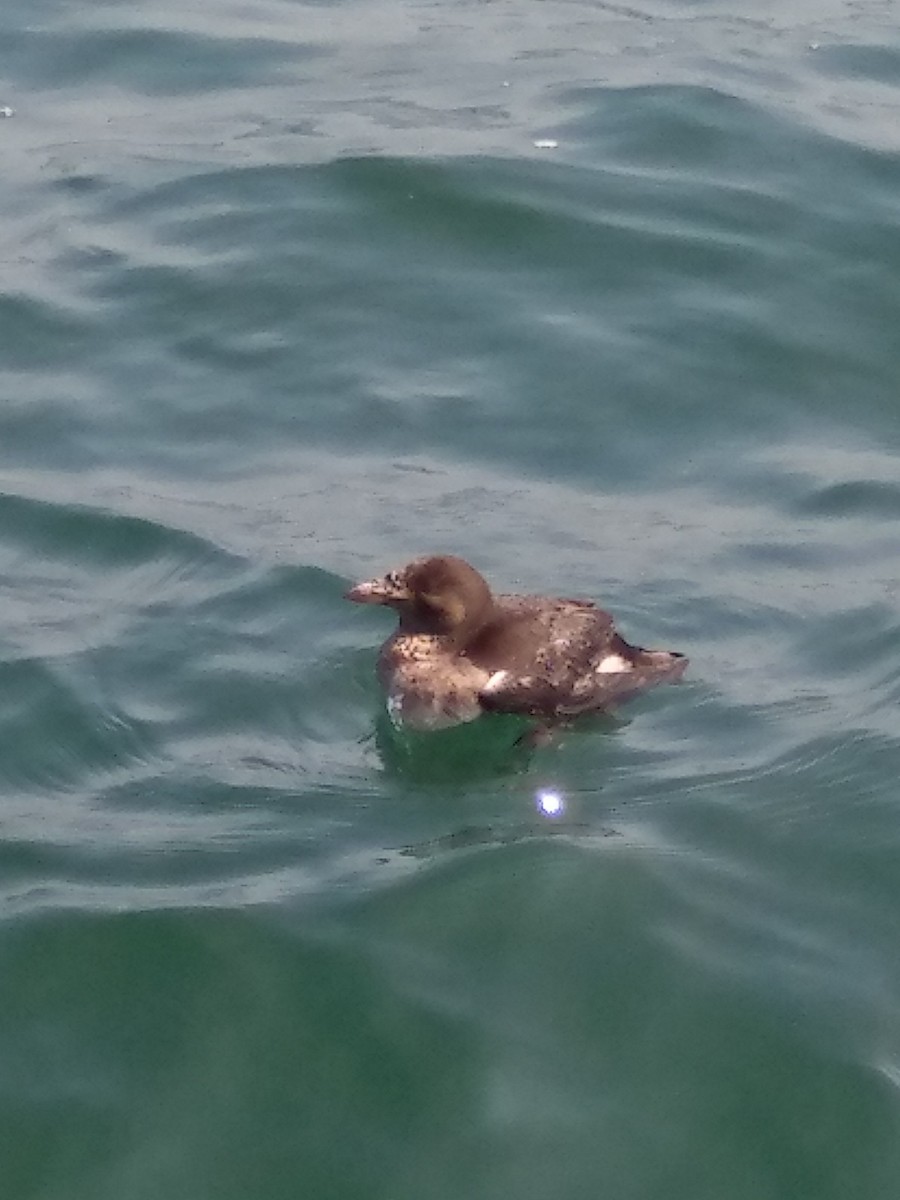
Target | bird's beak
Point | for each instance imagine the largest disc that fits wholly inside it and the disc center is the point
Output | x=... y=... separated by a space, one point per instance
x=376 y=591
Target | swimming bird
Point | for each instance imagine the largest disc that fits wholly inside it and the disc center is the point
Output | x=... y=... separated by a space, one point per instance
x=460 y=651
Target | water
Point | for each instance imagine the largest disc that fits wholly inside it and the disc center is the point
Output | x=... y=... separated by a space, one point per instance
x=290 y=294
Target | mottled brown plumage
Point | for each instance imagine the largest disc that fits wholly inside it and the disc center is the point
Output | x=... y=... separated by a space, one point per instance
x=460 y=651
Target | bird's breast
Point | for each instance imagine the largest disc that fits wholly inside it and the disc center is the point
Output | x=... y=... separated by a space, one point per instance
x=429 y=686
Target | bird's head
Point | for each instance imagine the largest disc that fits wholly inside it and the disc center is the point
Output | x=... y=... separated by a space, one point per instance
x=440 y=594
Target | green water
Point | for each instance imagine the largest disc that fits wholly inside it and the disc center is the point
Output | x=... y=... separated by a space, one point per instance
x=290 y=295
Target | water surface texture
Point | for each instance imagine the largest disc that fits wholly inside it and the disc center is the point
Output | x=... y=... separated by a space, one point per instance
x=603 y=297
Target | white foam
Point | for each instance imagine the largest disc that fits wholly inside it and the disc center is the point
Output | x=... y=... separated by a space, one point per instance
x=395 y=707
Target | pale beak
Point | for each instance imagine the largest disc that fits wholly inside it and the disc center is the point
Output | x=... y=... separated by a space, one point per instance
x=375 y=591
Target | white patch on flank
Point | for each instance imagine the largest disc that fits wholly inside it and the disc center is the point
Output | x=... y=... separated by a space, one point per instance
x=613 y=664
x=496 y=681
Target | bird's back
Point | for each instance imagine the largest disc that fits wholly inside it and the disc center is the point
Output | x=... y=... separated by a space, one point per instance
x=550 y=657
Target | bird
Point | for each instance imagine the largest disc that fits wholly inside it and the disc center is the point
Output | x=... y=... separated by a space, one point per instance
x=460 y=651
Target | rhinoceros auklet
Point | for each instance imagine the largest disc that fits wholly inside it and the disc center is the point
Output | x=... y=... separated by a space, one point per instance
x=460 y=651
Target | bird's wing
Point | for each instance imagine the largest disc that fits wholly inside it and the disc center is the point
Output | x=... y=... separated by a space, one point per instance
x=557 y=658
x=544 y=657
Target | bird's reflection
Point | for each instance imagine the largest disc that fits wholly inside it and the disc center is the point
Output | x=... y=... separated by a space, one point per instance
x=464 y=754
x=494 y=745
